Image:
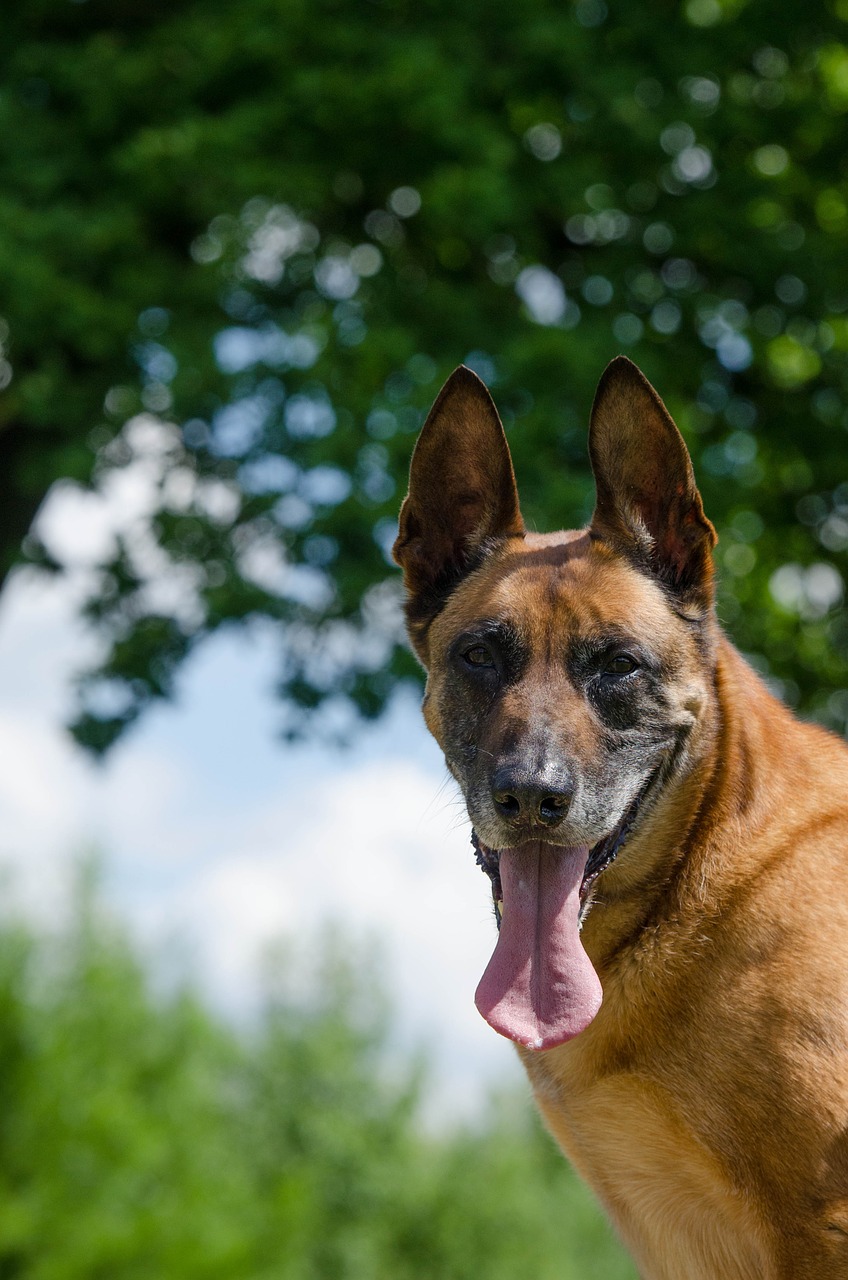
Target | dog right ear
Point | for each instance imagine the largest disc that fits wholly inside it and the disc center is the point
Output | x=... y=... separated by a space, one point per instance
x=462 y=495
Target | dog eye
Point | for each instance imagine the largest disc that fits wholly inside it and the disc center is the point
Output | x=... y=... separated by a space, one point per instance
x=621 y=665
x=478 y=656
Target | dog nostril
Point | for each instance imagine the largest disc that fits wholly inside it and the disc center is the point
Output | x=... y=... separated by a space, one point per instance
x=508 y=806
x=552 y=808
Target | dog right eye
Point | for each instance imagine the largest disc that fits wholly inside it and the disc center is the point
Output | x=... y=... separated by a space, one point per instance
x=478 y=656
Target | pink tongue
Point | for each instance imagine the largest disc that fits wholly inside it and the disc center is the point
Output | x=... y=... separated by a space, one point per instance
x=539 y=987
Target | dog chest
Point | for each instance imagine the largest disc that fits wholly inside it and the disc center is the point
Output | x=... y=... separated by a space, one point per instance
x=667 y=1196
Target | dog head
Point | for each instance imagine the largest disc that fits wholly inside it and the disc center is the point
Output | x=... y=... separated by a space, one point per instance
x=566 y=671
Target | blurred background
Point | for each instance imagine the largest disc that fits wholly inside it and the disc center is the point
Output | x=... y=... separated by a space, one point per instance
x=241 y=247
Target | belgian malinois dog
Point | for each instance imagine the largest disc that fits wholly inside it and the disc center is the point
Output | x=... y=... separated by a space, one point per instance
x=667 y=844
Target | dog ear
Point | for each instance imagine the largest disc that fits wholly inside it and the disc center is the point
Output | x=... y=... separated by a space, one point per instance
x=462 y=493
x=648 y=505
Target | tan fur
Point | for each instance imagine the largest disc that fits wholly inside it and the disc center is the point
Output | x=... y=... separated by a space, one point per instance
x=707 y=1104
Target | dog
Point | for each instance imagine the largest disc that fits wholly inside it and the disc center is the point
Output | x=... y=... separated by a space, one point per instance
x=667 y=843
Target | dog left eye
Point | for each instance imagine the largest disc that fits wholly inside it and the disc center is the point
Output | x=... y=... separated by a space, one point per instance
x=621 y=665
x=478 y=656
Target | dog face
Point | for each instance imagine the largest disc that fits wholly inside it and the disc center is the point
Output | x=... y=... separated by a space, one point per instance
x=567 y=671
x=560 y=684
x=563 y=669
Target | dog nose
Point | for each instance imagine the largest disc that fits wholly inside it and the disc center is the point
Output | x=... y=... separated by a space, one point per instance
x=527 y=802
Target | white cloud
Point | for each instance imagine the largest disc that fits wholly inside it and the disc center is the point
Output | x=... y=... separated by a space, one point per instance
x=368 y=847
x=213 y=832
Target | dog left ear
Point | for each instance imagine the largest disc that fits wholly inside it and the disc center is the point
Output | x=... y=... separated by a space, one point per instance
x=648 y=505
x=462 y=496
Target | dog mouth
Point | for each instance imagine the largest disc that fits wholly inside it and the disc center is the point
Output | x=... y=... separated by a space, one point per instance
x=540 y=989
x=601 y=855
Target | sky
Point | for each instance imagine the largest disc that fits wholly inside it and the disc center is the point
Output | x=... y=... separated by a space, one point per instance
x=217 y=842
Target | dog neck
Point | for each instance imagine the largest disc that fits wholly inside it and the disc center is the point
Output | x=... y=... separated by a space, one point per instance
x=717 y=789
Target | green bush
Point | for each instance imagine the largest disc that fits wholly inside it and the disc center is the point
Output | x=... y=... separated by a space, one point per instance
x=141 y=1136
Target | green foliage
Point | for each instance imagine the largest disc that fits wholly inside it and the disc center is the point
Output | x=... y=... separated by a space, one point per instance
x=279 y=226
x=140 y=1137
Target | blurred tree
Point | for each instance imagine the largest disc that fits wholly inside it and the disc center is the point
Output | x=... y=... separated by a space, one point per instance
x=242 y=245
x=142 y=1138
